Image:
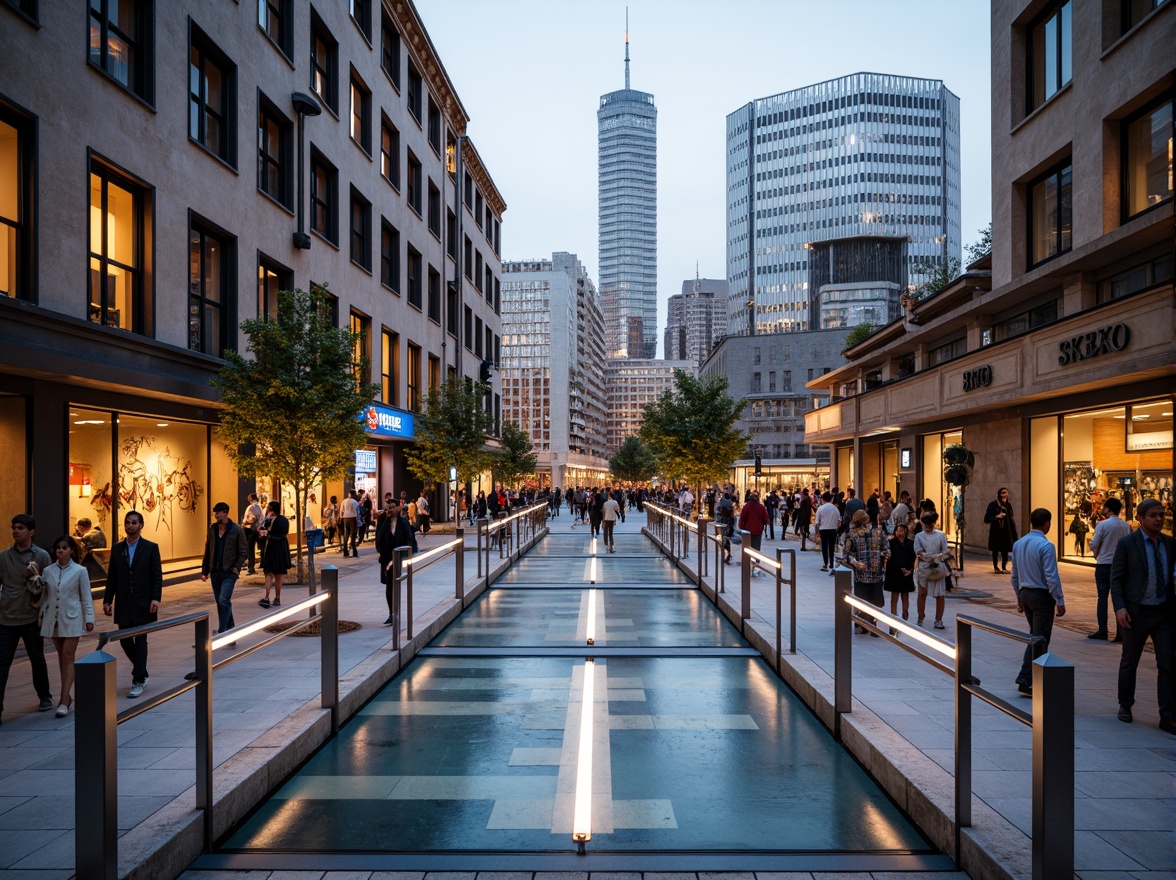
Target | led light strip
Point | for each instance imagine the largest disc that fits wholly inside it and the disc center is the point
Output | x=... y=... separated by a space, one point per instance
x=417 y=560
x=592 y=570
x=591 y=632
x=945 y=648
x=765 y=560
x=582 y=814
x=245 y=629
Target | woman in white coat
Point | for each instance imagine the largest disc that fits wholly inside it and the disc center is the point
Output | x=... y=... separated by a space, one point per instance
x=67 y=611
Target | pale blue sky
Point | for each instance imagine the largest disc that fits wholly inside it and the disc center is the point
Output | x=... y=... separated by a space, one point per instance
x=530 y=74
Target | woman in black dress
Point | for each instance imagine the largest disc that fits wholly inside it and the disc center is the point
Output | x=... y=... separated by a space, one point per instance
x=900 y=569
x=1002 y=530
x=275 y=556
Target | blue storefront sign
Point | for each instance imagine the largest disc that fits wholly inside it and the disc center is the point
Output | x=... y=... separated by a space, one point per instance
x=384 y=421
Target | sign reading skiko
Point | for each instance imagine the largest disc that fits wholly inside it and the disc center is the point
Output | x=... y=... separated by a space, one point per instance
x=383 y=421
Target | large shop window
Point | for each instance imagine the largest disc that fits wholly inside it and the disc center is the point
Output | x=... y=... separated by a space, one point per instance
x=1081 y=459
x=1147 y=159
x=946 y=496
x=156 y=466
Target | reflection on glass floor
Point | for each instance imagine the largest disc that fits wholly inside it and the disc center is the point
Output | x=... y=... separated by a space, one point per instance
x=697 y=747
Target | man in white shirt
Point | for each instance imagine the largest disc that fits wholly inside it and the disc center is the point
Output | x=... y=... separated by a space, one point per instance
x=1106 y=538
x=249 y=522
x=686 y=501
x=828 y=522
x=349 y=518
x=610 y=511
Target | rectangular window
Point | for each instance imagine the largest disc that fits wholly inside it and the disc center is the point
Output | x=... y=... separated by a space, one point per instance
x=434 y=127
x=1147 y=159
x=390 y=367
x=478 y=271
x=361 y=12
x=275 y=143
x=276 y=20
x=1135 y=11
x=212 y=88
x=489 y=285
x=451 y=311
x=451 y=233
x=16 y=202
x=414 y=92
x=389 y=256
x=390 y=152
x=361 y=114
x=360 y=326
x=772 y=380
x=469 y=327
x=434 y=295
x=756 y=383
x=324 y=63
x=415 y=281
x=477 y=337
x=468 y=266
x=118 y=296
x=1049 y=54
x=434 y=209
x=211 y=256
x=361 y=230
x=478 y=208
x=324 y=197
x=390 y=49
x=469 y=191
x=121 y=43
x=434 y=372
x=1050 y=214
x=271 y=277
x=414 y=377
x=415 y=195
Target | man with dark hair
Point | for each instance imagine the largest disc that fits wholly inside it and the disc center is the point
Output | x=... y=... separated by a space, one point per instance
x=1038 y=588
x=249 y=524
x=1106 y=538
x=1144 y=594
x=134 y=589
x=225 y=550
x=21 y=566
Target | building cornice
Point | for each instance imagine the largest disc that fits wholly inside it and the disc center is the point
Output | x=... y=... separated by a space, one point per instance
x=425 y=56
x=477 y=170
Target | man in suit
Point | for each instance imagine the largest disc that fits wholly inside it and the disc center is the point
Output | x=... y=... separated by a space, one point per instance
x=134 y=589
x=1145 y=605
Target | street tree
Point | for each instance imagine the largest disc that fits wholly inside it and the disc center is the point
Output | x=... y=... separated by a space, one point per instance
x=451 y=433
x=691 y=430
x=634 y=462
x=515 y=458
x=292 y=410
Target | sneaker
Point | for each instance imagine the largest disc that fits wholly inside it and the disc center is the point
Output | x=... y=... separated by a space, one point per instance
x=1025 y=690
x=136 y=690
x=62 y=711
x=919 y=622
x=277 y=603
x=1100 y=635
x=45 y=705
x=824 y=568
x=939 y=624
x=389 y=621
x=264 y=603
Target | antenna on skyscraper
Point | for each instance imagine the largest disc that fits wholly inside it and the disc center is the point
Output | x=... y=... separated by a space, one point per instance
x=697 y=279
x=626 y=47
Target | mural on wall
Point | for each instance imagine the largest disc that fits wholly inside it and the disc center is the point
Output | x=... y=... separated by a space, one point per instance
x=155 y=482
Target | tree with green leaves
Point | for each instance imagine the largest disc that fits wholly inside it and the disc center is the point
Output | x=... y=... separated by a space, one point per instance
x=857 y=335
x=980 y=247
x=691 y=430
x=451 y=433
x=292 y=411
x=634 y=462
x=937 y=274
x=515 y=458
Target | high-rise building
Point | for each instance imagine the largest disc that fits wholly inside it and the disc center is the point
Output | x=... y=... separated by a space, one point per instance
x=627 y=175
x=633 y=384
x=553 y=366
x=696 y=319
x=864 y=155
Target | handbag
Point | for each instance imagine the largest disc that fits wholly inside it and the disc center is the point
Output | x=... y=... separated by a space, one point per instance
x=950 y=578
x=935 y=572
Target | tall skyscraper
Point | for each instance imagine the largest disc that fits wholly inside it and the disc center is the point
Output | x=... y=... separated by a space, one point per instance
x=864 y=155
x=696 y=319
x=627 y=175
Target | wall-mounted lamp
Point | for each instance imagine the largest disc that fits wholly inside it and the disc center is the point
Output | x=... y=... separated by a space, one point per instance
x=304 y=105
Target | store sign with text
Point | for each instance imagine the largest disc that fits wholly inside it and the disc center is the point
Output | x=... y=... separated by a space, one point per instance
x=977 y=377
x=384 y=421
x=1105 y=340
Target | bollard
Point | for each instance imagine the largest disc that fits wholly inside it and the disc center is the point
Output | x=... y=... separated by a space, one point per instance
x=842 y=647
x=204 y=801
x=479 y=547
x=745 y=599
x=1053 y=768
x=459 y=566
x=329 y=644
x=963 y=731
x=780 y=551
x=397 y=565
x=96 y=768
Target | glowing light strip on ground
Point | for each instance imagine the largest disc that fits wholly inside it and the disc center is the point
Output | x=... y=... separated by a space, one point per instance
x=592 y=570
x=245 y=629
x=945 y=648
x=591 y=633
x=421 y=557
x=582 y=814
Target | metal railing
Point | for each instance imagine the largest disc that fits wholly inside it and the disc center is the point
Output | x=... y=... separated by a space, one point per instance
x=674 y=530
x=1051 y=719
x=96 y=728
x=513 y=534
x=402 y=566
x=718 y=537
x=748 y=558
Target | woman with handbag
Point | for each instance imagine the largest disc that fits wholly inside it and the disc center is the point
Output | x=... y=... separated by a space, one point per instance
x=866 y=550
x=931 y=574
x=275 y=558
x=1002 y=530
x=67 y=612
x=900 y=569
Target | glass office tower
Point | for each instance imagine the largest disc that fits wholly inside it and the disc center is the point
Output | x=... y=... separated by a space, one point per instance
x=864 y=155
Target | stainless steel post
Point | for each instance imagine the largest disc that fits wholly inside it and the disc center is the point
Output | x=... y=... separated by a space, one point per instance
x=791 y=594
x=397 y=566
x=408 y=599
x=329 y=645
x=842 y=647
x=963 y=731
x=478 y=523
x=459 y=566
x=96 y=768
x=720 y=566
x=745 y=598
x=671 y=530
x=779 y=605
x=204 y=800
x=1053 y=768
x=701 y=538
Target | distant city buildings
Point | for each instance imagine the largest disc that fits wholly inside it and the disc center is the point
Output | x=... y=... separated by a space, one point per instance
x=633 y=384
x=627 y=175
x=856 y=280
x=695 y=320
x=552 y=367
x=863 y=155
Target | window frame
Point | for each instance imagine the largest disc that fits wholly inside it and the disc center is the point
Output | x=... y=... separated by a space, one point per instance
x=390 y=157
x=284 y=40
x=284 y=279
x=1168 y=98
x=1054 y=171
x=24 y=225
x=142 y=294
x=434 y=127
x=200 y=42
x=414 y=183
x=360 y=324
x=361 y=13
x=413 y=375
x=389 y=357
x=390 y=50
x=1063 y=49
x=390 y=262
x=360 y=237
x=329 y=203
x=319 y=32
x=413 y=282
x=267 y=111
x=225 y=307
x=142 y=47
x=434 y=209
x=358 y=86
x=415 y=97
x=433 y=293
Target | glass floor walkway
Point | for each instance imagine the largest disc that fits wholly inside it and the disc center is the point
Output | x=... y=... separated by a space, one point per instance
x=699 y=757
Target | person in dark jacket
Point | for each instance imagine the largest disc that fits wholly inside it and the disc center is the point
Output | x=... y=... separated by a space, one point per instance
x=1002 y=530
x=134 y=589
x=275 y=557
x=900 y=570
x=393 y=532
x=226 y=550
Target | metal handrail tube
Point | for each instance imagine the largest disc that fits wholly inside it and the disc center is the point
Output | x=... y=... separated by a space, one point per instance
x=440 y=551
x=1015 y=635
x=130 y=632
x=259 y=623
x=996 y=702
x=791 y=581
x=159 y=699
x=766 y=560
x=936 y=643
x=276 y=637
